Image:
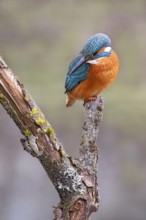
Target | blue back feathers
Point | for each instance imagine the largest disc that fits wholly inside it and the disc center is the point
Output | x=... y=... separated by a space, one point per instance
x=93 y=45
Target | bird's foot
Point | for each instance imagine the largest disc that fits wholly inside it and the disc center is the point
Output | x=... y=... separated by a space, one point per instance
x=92 y=98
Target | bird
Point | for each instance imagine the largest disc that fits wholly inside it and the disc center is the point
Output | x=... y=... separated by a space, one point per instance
x=92 y=70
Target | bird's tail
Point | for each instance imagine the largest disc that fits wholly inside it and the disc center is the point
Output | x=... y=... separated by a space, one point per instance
x=69 y=100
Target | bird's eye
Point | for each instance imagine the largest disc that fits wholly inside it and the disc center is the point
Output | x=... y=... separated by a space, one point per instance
x=94 y=54
x=88 y=57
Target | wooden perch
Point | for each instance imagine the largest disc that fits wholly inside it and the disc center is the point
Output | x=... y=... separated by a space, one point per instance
x=74 y=179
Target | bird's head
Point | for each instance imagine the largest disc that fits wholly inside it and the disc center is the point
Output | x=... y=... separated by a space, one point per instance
x=92 y=49
x=94 y=44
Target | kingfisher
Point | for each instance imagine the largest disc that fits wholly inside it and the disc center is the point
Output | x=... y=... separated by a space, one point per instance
x=92 y=71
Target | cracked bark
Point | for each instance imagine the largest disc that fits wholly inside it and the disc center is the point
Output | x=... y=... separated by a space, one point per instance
x=74 y=179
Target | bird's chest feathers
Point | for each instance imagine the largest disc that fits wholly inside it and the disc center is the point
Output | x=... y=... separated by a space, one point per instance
x=103 y=70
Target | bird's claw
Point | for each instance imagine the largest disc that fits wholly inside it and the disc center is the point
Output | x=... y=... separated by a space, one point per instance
x=92 y=98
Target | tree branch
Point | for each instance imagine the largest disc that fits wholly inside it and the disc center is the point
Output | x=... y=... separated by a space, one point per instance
x=74 y=179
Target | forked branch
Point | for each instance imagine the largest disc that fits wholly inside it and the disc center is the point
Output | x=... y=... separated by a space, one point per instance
x=74 y=179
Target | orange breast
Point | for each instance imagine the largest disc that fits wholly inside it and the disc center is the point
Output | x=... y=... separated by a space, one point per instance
x=100 y=76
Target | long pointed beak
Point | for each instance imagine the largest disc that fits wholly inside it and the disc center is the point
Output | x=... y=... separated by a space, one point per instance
x=81 y=61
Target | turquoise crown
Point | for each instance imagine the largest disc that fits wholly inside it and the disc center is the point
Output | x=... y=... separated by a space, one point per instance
x=95 y=43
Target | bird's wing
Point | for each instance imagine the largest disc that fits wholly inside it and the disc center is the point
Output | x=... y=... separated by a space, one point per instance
x=73 y=79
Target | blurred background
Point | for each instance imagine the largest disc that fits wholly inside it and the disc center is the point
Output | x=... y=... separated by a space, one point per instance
x=38 y=39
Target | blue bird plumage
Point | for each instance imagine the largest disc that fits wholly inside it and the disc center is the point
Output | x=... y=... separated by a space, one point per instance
x=79 y=75
x=104 y=54
x=78 y=68
x=95 y=43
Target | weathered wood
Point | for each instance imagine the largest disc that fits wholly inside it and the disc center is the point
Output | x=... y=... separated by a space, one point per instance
x=75 y=180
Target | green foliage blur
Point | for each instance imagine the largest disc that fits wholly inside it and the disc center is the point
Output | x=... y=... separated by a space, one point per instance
x=38 y=40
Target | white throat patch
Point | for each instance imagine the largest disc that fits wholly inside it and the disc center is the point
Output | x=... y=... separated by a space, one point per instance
x=92 y=61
